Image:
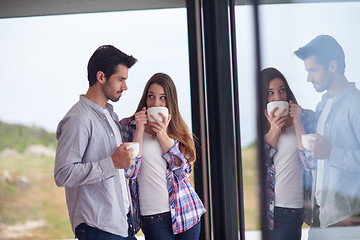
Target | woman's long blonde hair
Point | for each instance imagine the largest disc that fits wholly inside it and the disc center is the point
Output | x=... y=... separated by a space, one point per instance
x=177 y=128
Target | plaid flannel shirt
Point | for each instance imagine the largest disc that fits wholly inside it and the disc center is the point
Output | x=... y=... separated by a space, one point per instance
x=185 y=205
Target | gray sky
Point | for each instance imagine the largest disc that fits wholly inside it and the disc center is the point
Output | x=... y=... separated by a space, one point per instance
x=285 y=28
x=43 y=59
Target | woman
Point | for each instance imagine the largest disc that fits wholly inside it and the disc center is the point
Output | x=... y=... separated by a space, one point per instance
x=166 y=205
x=285 y=174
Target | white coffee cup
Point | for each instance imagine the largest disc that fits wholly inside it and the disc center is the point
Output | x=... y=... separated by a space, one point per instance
x=135 y=146
x=305 y=140
x=155 y=112
x=281 y=105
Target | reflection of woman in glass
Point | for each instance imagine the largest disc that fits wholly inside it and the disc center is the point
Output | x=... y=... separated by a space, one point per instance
x=282 y=148
x=166 y=205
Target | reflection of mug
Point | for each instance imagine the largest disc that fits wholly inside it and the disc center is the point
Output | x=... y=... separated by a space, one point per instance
x=305 y=140
x=135 y=146
x=155 y=112
x=281 y=105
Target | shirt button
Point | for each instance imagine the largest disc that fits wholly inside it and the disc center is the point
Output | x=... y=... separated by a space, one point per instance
x=111 y=134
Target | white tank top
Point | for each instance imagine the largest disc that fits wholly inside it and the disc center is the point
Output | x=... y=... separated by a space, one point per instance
x=153 y=191
x=288 y=172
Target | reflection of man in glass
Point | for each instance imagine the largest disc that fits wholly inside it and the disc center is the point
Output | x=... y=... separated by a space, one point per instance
x=336 y=189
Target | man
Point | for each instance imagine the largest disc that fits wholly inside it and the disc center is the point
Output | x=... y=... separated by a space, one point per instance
x=90 y=159
x=336 y=185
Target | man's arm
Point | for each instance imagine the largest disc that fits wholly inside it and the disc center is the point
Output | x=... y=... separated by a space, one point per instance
x=345 y=153
x=73 y=137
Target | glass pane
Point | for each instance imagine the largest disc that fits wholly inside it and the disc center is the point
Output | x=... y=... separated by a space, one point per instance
x=44 y=70
x=246 y=77
x=327 y=181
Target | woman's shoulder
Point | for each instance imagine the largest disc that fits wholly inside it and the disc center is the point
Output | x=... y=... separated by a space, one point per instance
x=308 y=120
x=307 y=112
x=126 y=121
x=307 y=115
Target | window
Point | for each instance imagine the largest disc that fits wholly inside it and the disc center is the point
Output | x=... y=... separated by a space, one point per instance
x=283 y=29
x=44 y=62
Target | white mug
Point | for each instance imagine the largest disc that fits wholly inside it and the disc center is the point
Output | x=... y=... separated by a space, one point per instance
x=305 y=140
x=135 y=146
x=155 y=112
x=281 y=105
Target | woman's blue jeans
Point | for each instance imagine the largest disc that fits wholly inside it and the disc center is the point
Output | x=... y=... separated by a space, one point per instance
x=159 y=227
x=287 y=223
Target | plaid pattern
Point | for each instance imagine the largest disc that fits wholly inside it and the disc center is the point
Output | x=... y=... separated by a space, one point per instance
x=309 y=164
x=127 y=128
x=270 y=182
x=308 y=121
x=185 y=205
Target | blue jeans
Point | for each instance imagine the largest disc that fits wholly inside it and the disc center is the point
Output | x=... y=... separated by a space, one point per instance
x=159 y=227
x=287 y=223
x=85 y=232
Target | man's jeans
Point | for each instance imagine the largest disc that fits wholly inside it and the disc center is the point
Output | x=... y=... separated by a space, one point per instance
x=159 y=227
x=287 y=223
x=85 y=232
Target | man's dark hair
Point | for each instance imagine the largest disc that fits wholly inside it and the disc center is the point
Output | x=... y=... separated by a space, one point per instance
x=326 y=49
x=106 y=58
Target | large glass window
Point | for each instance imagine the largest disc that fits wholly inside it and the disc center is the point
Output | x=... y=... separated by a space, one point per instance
x=331 y=185
x=246 y=75
x=285 y=28
x=44 y=70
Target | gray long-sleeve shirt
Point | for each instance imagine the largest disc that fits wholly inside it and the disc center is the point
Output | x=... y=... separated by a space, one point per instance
x=340 y=194
x=83 y=165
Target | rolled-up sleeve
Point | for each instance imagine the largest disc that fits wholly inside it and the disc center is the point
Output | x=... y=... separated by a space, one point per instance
x=269 y=154
x=133 y=171
x=184 y=170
